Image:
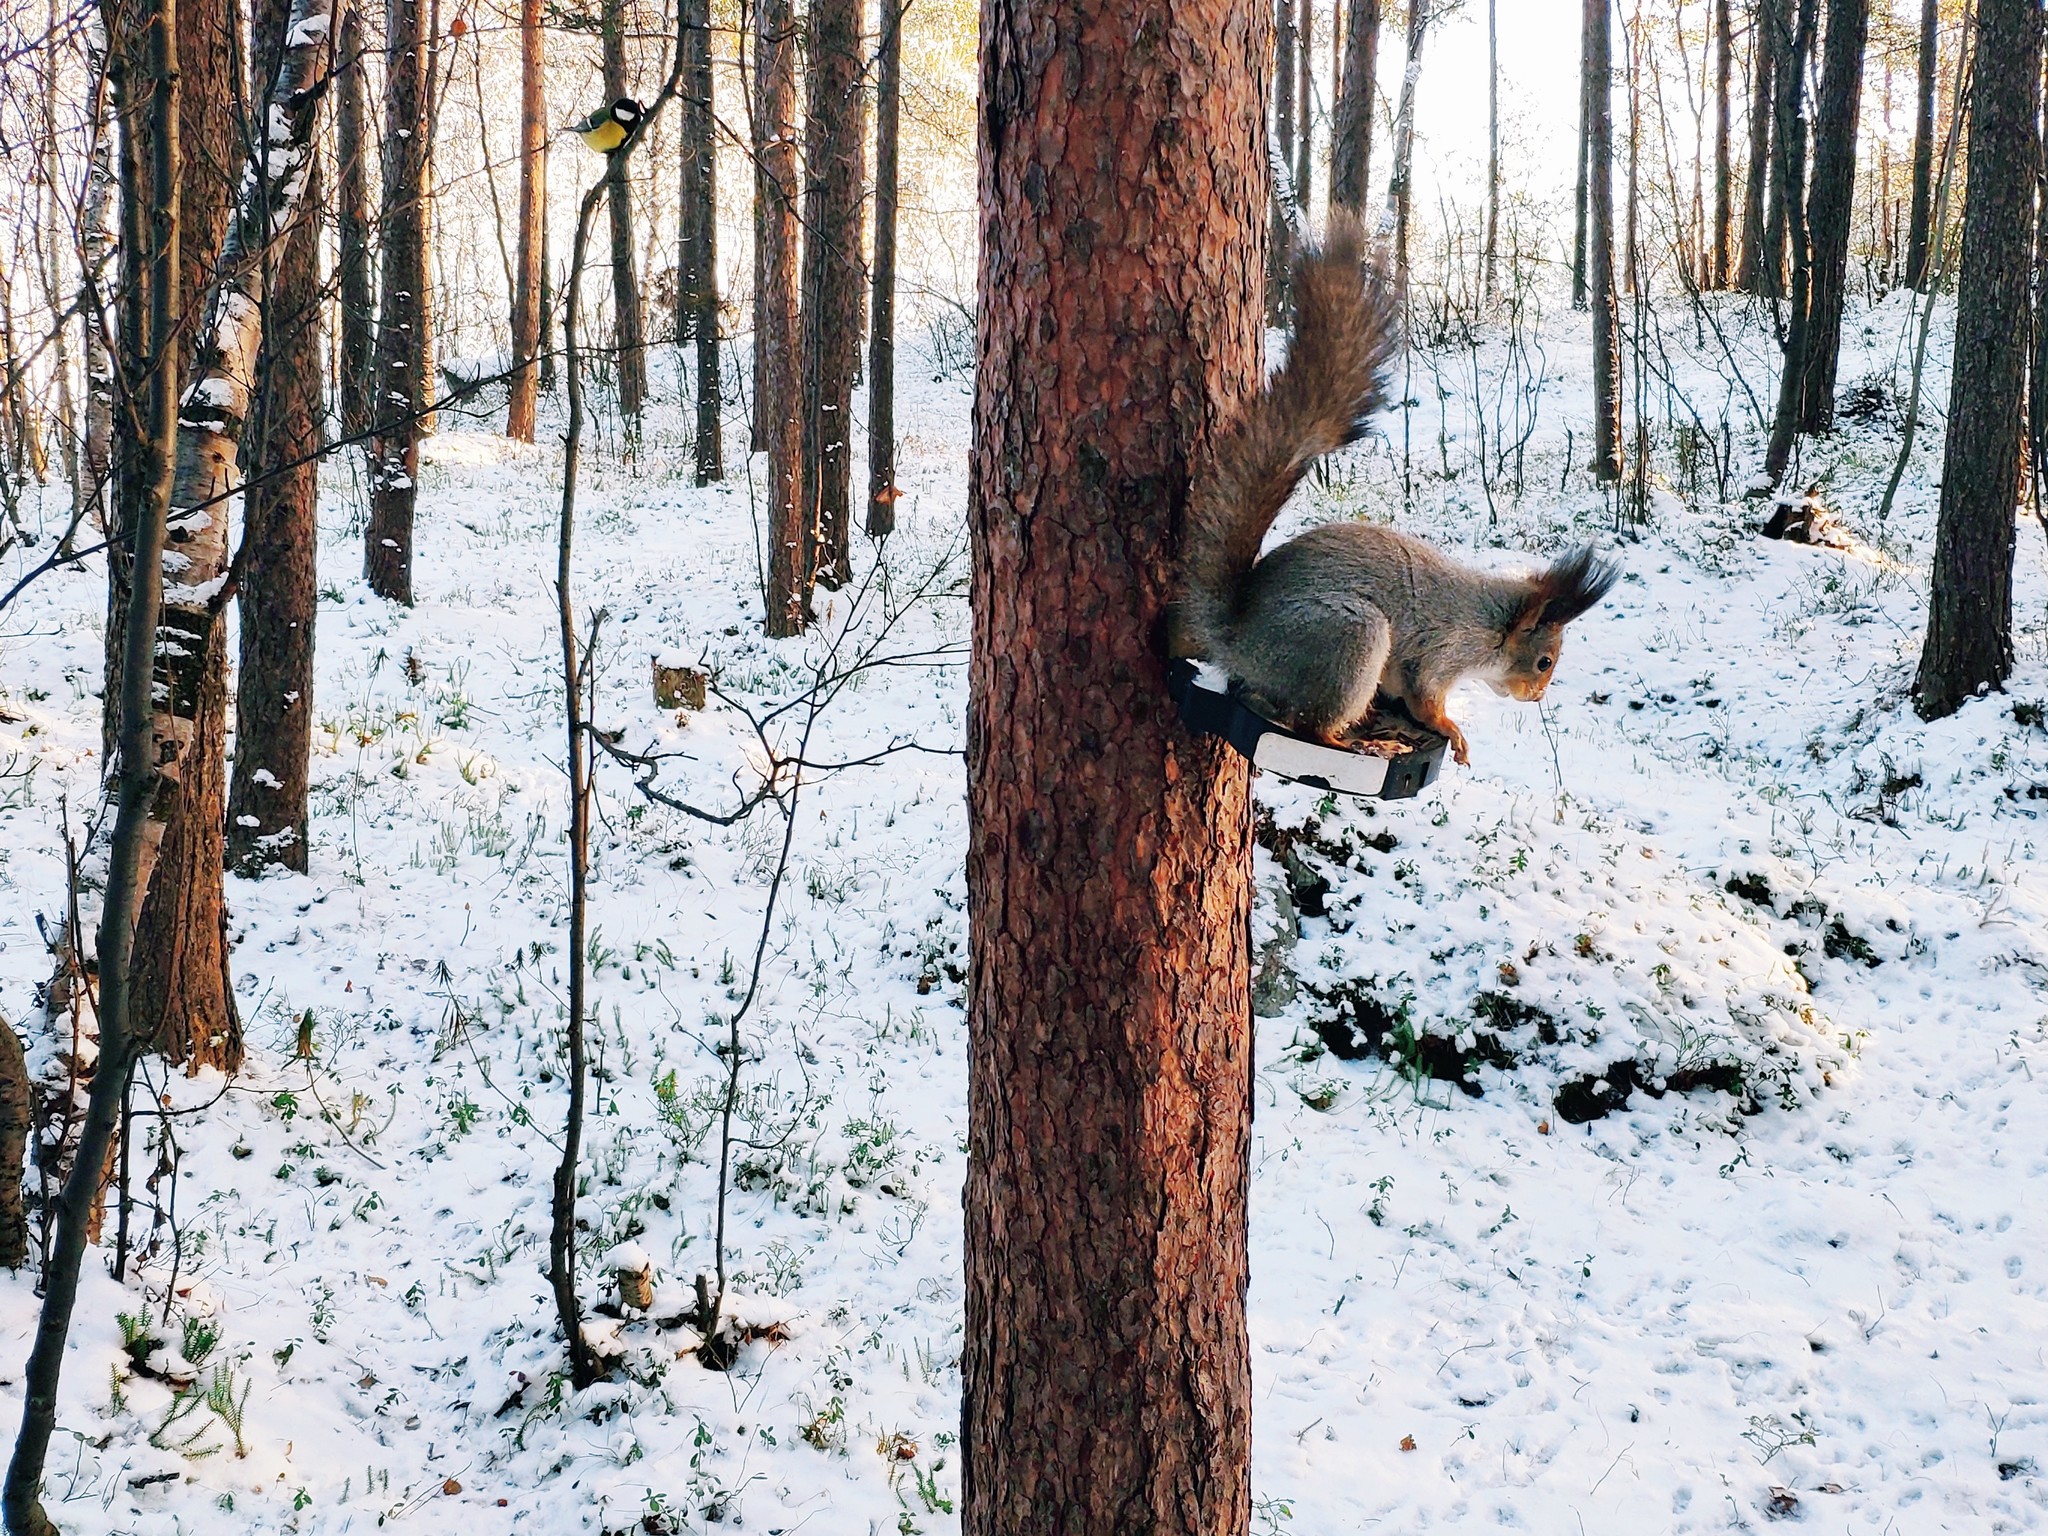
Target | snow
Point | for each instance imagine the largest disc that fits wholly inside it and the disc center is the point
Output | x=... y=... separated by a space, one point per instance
x=1649 y=1321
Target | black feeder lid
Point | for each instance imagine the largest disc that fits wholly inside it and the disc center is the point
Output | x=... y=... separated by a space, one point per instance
x=1208 y=707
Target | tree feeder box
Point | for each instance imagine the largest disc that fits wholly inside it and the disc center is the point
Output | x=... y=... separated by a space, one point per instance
x=1395 y=765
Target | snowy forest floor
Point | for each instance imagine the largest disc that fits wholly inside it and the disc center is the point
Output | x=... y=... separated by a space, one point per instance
x=1492 y=1288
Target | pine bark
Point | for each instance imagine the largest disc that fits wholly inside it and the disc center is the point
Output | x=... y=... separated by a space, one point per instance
x=1107 y=1366
x=697 y=295
x=524 y=397
x=1351 y=129
x=834 y=278
x=1918 y=239
x=1790 y=168
x=1599 y=66
x=277 y=594
x=628 y=318
x=882 y=490
x=1720 y=255
x=402 y=390
x=778 y=405
x=1793 y=27
x=1831 y=208
x=16 y=1120
x=355 y=275
x=1969 y=620
x=1756 y=189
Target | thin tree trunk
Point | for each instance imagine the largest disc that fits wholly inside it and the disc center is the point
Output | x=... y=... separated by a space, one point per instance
x=882 y=490
x=1756 y=189
x=17 y=1117
x=277 y=592
x=631 y=358
x=1586 y=158
x=524 y=396
x=1305 y=96
x=1631 y=246
x=697 y=295
x=1398 y=190
x=167 y=621
x=99 y=252
x=1969 y=615
x=1791 y=168
x=835 y=283
x=1917 y=233
x=1792 y=42
x=402 y=385
x=180 y=996
x=1599 y=66
x=1831 y=208
x=354 y=274
x=1491 y=257
x=1720 y=256
x=1106 y=1365
x=1280 y=248
x=778 y=407
x=1351 y=130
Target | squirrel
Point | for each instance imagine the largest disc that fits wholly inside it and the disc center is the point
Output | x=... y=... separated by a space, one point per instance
x=1348 y=611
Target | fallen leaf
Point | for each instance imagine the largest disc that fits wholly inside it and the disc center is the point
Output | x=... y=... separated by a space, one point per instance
x=1407 y=1442
x=451 y=1486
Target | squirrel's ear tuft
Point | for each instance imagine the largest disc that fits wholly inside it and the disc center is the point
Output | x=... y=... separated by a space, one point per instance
x=1573 y=585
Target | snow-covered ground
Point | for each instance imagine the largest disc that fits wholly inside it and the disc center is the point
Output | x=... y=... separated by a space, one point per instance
x=1817 y=1297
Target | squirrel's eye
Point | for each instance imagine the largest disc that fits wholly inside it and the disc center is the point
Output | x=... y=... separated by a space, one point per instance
x=1542 y=663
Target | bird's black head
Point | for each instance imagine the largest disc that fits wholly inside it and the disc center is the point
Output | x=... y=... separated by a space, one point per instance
x=627 y=111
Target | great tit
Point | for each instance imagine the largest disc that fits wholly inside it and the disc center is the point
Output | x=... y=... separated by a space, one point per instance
x=607 y=128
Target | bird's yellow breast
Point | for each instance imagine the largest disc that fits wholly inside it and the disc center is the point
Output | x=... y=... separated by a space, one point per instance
x=606 y=136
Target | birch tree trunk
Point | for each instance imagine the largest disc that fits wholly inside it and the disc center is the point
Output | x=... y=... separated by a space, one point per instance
x=1398 y=191
x=402 y=389
x=180 y=567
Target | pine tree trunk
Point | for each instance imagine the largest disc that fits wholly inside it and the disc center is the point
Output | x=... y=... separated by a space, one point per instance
x=631 y=359
x=1351 y=131
x=1599 y=64
x=277 y=592
x=1106 y=1364
x=882 y=491
x=778 y=405
x=697 y=291
x=1399 y=192
x=355 y=276
x=1756 y=190
x=1969 y=614
x=1918 y=240
x=1720 y=255
x=835 y=281
x=402 y=389
x=1791 y=142
x=1792 y=44
x=524 y=395
x=1831 y=208
x=16 y=1120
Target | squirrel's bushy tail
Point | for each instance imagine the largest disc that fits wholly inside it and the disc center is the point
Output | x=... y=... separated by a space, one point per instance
x=1346 y=331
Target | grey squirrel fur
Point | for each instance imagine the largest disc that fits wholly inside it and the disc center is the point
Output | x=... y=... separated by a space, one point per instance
x=1329 y=620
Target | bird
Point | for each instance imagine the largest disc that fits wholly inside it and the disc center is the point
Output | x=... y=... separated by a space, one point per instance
x=609 y=127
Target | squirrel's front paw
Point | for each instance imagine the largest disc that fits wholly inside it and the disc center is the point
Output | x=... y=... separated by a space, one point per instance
x=1458 y=748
